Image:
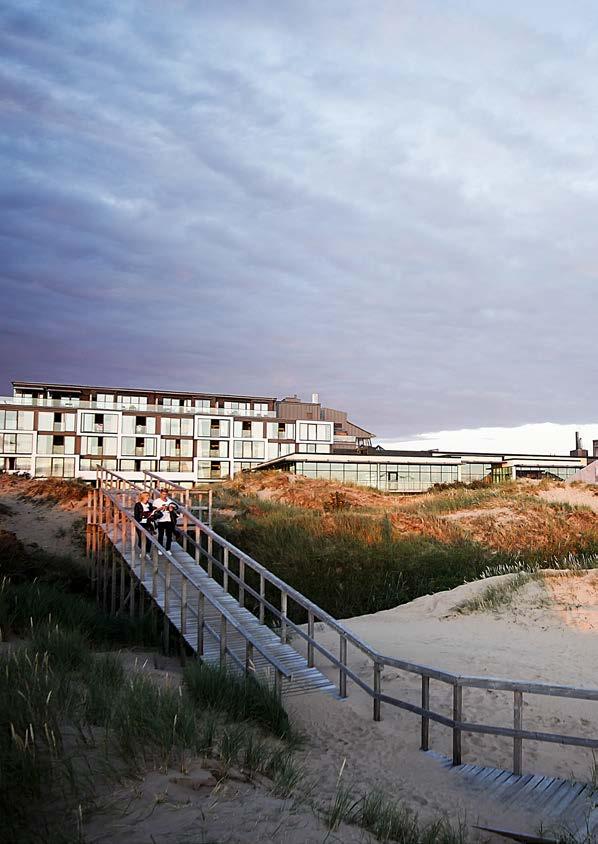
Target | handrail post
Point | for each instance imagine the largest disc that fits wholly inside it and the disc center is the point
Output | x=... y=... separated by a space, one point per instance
x=241 y=584
x=210 y=555
x=249 y=663
x=185 y=530
x=133 y=543
x=209 y=508
x=223 y=638
x=518 y=725
x=377 y=690
x=225 y=573
x=310 y=640
x=277 y=684
x=200 y=622
x=283 y=617
x=342 y=679
x=457 y=718
x=154 y=572
x=167 y=580
x=262 y=596
x=425 y=738
x=183 y=606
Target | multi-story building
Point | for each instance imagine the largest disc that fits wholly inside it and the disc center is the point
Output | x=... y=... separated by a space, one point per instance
x=65 y=430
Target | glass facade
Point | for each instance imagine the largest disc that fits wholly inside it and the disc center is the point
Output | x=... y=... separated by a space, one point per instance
x=55 y=467
x=562 y=473
x=320 y=432
x=475 y=472
x=16 y=443
x=393 y=477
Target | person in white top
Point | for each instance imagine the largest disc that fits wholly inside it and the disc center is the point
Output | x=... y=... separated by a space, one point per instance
x=165 y=511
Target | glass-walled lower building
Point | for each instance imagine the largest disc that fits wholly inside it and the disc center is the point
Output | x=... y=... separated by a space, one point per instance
x=413 y=472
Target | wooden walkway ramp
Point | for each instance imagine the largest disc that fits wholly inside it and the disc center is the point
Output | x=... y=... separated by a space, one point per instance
x=565 y=805
x=218 y=598
x=186 y=582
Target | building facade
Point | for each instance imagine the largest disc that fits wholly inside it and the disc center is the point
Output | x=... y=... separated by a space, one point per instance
x=58 y=430
x=418 y=471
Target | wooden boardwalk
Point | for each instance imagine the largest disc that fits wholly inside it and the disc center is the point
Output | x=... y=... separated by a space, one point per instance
x=565 y=805
x=304 y=679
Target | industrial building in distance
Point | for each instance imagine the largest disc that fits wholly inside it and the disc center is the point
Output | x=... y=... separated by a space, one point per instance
x=65 y=430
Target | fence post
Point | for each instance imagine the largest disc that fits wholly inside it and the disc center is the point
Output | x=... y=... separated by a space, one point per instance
x=154 y=572
x=457 y=717
x=310 y=643
x=425 y=740
x=342 y=680
x=242 y=581
x=377 y=690
x=183 y=606
x=200 y=621
x=210 y=508
x=518 y=725
x=277 y=684
x=262 y=596
x=225 y=573
x=283 y=617
x=249 y=664
x=210 y=555
x=223 y=637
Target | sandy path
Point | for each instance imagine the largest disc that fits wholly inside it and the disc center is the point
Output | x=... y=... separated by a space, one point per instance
x=575 y=494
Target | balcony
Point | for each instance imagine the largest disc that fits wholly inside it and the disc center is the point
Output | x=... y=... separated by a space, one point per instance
x=19 y=401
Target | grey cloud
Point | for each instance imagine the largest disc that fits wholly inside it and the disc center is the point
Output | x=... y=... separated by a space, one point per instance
x=393 y=205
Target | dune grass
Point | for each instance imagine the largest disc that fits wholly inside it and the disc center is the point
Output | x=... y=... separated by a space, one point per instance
x=497 y=595
x=352 y=564
x=389 y=820
x=63 y=707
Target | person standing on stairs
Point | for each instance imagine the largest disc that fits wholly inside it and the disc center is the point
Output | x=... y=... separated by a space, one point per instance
x=165 y=517
x=142 y=514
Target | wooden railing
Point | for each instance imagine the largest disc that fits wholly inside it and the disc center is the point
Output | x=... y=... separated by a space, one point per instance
x=198 y=501
x=233 y=566
x=105 y=510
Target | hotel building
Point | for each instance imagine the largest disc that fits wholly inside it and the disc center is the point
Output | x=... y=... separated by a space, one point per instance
x=65 y=430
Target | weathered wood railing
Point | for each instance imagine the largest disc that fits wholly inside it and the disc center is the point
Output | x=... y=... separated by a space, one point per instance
x=105 y=511
x=234 y=565
x=198 y=501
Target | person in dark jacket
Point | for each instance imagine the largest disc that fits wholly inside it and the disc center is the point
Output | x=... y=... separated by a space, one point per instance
x=142 y=512
x=165 y=516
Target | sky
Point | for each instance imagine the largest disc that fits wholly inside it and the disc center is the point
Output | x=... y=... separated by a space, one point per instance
x=393 y=204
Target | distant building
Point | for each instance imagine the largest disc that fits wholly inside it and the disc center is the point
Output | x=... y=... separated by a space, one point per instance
x=65 y=430
x=418 y=471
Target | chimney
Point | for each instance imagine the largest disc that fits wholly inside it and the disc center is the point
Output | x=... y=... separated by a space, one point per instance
x=579 y=450
x=315 y=398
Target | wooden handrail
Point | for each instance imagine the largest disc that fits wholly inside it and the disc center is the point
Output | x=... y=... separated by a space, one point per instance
x=279 y=666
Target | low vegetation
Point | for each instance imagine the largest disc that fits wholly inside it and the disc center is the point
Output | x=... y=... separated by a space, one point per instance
x=356 y=555
x=389 y=820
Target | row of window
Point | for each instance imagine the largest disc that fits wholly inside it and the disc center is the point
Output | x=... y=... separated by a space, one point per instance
x=392 y=477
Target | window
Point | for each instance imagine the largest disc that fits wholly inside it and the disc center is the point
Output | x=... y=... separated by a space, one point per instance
x=236 y=406
x=55 y=467
x=177 y=448
x=137 y=465
x=213 y=428
x=313 y=448
x=139 y=446
x=259 y=406
x=241 y=467
x=167 y=401
x=55 y=444
x=16 y=420
x=139 y=425
x=176 y=465
x=203 y=404
x=249 y=449
x=212 y=470
x=174 y=427
x=105 y=399
x=16 y=464
x=281 y=430
x=251 y=430
x=320 y=432
x=89 y=464
x=133 y=402
x=99 y=423
x=101 y=446
x=16 y=443
x=212 y=448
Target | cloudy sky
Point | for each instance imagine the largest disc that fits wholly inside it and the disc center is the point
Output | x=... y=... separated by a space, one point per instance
x=392 y=203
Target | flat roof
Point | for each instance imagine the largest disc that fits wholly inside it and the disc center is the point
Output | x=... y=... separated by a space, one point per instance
x=415 y=457
x=134 y=390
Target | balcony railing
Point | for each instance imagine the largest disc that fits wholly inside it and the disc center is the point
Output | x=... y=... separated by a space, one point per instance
x=20 y=401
